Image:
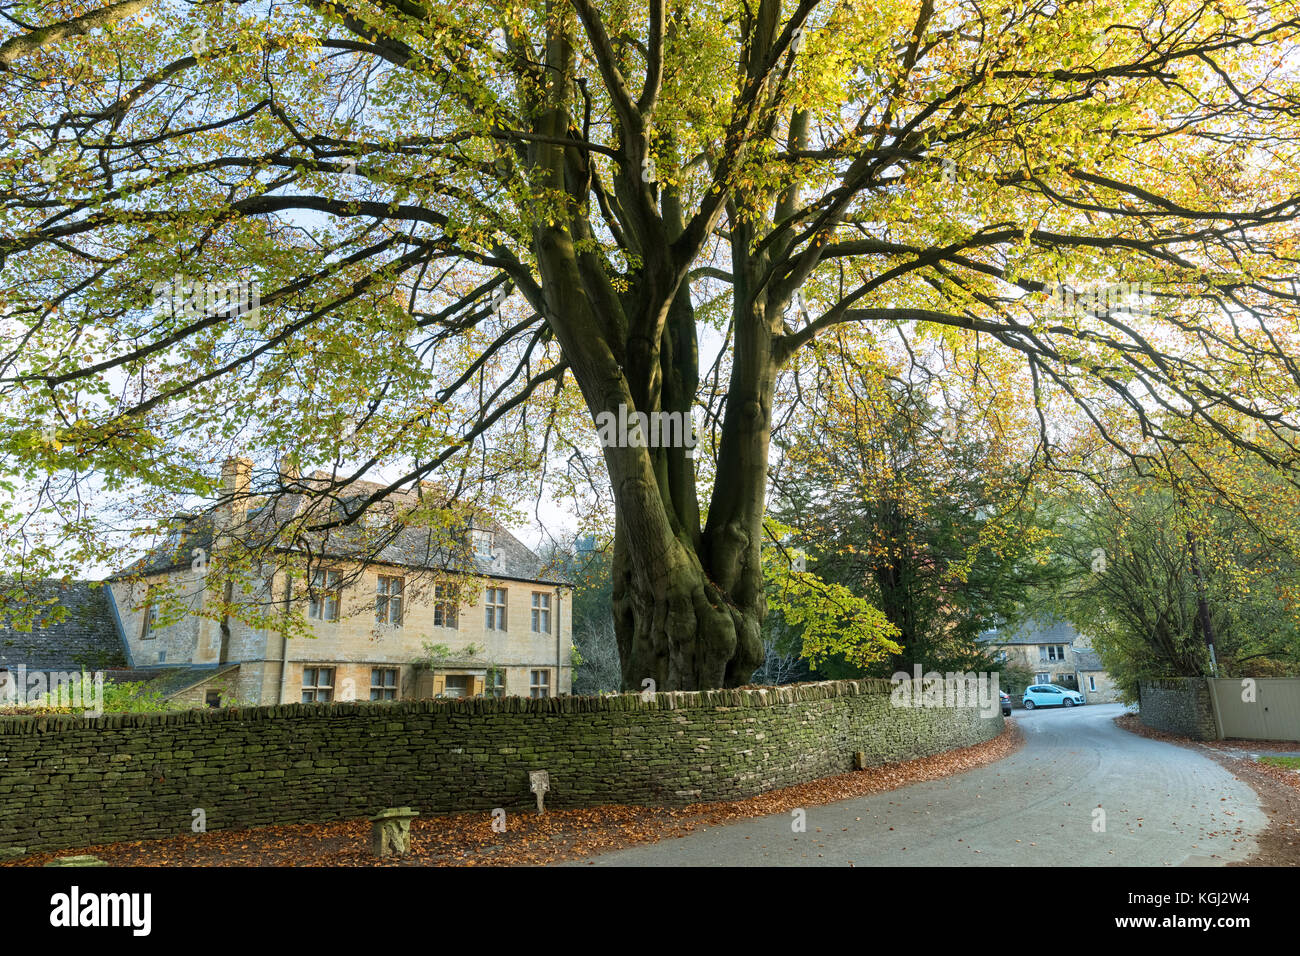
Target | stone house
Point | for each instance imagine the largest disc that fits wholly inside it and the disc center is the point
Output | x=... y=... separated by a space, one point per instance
x=1094 y=682
x=389 y=611
x=1054 y=652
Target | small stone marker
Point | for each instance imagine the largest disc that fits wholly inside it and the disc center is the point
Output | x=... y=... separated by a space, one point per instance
x=539 y=782
x=860 y=760
x=77 y=861
x=390 y=831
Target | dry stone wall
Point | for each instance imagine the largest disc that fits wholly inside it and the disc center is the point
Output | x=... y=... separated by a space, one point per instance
x=73 y=781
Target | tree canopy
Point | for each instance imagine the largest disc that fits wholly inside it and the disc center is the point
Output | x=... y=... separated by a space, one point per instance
x=920 y=509
x=473 y=228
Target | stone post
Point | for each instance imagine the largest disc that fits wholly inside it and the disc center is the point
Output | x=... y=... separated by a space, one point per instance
x=390 y=831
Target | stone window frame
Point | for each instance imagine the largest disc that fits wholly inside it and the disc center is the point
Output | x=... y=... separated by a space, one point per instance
x=495 y=607
x=445 y=608
x=319 y=603
x=481 y=542
x=494 y=682
x=385 y=690
x=387 y=600
x=148 y=630
x=316 y=688
x=541 y=606
x=544 y=684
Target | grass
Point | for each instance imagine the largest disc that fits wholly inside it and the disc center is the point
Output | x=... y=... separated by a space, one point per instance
x=1287 y=763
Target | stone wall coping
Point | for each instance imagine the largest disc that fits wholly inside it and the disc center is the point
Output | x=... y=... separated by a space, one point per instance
x=1169 y=683
x=742 y=697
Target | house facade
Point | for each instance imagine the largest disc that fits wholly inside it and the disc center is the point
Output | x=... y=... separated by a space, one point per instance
x=397 y=625
x=1095 y=684
x=1054 y=652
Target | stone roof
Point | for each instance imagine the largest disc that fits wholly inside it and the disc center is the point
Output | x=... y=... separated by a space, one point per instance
x=86 y=638
x=1087 y=661
x=1034 y=631
x=176 y=679
x=412 y=546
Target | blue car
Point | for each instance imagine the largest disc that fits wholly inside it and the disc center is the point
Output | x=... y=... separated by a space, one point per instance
x=1049 y=695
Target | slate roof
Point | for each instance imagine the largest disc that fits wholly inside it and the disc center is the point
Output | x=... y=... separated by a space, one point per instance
x=87 y=637
x=176 y=679
x=1036 y=631
x=412 y=546
x=1085 y=660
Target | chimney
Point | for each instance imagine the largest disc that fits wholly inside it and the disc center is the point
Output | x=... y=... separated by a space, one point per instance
x=236 y=476
x=289 y=470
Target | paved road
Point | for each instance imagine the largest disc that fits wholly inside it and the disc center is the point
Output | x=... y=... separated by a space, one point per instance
x=1164 y=806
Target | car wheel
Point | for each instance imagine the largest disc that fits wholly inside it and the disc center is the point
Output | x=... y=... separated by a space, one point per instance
x=1069 y=702
x=1029 y=705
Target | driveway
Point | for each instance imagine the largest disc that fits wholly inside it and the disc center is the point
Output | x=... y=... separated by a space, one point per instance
x=1163 y=805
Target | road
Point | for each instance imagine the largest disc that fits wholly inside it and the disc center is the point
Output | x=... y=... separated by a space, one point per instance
x=1163 y=805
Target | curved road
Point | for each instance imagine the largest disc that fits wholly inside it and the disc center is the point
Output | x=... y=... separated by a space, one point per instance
x=1164 y=806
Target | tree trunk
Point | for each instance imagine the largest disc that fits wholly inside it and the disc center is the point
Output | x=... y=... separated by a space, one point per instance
x=674 y=625
x=688 y=602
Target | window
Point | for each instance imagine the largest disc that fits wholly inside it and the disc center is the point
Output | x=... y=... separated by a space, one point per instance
x=383 y=683
x=379 y=515
x=317 y=685
x=457 y=685
x=150 y=621
x=539 y=684
x=1042 y=678
x=212 y=698
x=495 y=609
x=481 y=542
x=541 y=612
x=496 y=683
x=1051 y=652
x=444 y=606
x=324 y=596
x=388 y=600
x=1092 y=683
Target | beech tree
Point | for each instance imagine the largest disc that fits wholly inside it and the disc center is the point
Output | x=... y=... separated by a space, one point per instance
x=474 y=228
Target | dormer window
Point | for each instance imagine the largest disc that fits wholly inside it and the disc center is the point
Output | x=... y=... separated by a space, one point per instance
x=480 y=540
x=380 y=515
